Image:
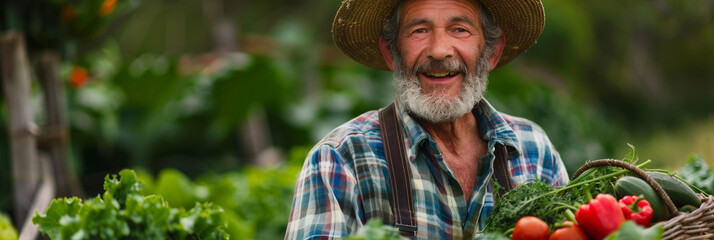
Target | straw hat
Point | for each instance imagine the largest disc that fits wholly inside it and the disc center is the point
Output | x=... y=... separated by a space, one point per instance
x=358 y=25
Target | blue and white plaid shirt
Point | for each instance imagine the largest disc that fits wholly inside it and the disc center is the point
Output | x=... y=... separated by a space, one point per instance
x=344 y=180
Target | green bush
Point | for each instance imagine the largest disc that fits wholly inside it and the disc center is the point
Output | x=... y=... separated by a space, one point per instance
x=256 y=201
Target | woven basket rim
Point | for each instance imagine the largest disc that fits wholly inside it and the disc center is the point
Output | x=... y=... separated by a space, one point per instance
x=698 y=224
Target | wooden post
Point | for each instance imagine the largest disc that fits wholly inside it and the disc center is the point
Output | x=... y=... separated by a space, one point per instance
x=55 y=134
x=42 y=200
x=22 y=129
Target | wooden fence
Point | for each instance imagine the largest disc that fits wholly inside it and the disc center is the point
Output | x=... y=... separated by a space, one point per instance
x=38 y=154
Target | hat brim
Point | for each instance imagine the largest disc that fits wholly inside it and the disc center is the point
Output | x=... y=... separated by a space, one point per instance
x=358 y=25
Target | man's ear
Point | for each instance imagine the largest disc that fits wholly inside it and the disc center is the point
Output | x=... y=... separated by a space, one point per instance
x=500 y=45
x=386 y=53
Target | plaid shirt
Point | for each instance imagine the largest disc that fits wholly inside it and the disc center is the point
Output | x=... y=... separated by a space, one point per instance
x=343 y=182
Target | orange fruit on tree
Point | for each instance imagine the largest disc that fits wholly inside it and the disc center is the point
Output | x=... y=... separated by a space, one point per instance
x=107 y=7
x=78 y=77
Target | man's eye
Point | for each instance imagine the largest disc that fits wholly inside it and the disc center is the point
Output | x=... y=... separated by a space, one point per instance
x=419 y=33
x=461 y=32
x=420 y=30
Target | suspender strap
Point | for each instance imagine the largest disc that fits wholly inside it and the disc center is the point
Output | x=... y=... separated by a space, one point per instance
x=399 y=172
x=501 y=171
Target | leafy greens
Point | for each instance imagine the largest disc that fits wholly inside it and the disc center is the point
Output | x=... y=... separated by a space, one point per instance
x=122 y=212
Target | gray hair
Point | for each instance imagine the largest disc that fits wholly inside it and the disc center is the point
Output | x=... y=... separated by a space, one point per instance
x=491 y=31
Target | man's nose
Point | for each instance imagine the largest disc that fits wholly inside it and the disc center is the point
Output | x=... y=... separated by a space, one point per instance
x=440 y=46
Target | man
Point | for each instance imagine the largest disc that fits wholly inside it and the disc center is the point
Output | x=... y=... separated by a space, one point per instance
x=441 y=52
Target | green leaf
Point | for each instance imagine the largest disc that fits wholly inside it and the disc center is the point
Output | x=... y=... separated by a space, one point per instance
x=205 y=221
x=150 y=215
x=629 y=230
x=631 y=156
x=101 y=218
x=177 y=189
x=238 y=226
x=60 y=217
x=122 y=187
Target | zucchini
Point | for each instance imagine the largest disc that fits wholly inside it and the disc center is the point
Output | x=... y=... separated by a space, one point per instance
x=677 y=190
x=629 y=185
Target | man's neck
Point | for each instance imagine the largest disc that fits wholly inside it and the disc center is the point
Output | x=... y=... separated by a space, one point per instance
x=450 y=134
x=460 y=145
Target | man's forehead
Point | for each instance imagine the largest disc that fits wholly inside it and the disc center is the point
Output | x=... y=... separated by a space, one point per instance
x=426 y=10
x=424 y=20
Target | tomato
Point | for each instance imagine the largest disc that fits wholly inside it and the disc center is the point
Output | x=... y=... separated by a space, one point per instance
x=571 y=231
x=530 y=228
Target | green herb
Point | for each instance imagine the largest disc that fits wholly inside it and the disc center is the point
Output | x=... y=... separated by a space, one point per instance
x=509 y=208
x=605 y=184
x=375 y=230
x=122 y=212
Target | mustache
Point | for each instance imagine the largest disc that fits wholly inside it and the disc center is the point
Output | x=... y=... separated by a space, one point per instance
x=451 y=65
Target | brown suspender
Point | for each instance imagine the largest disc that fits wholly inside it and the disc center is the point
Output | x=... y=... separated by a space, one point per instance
x=400 y=174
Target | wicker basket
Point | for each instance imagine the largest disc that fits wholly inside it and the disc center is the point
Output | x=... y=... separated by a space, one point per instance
x=699 y=224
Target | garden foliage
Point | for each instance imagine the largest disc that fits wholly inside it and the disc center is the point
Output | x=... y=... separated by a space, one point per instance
x=123 y=212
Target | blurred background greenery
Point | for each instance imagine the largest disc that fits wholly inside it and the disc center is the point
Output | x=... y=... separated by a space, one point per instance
x=216 y=90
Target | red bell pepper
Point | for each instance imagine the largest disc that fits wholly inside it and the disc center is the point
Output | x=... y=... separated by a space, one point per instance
x=637 y=209
x=600 y=217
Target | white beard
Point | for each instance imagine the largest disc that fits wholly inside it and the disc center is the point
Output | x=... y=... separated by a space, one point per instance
x=436 y=106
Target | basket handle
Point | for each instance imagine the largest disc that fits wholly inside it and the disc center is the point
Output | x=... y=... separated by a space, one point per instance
x=639 y=172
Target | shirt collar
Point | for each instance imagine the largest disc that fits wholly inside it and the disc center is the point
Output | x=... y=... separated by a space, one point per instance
x=493 y=128
x=414 y=134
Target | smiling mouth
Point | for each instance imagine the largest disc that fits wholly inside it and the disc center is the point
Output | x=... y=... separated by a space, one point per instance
x=440 y=74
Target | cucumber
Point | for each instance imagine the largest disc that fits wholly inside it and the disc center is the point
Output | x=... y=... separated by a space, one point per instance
x=629 y=185
x=677 y=190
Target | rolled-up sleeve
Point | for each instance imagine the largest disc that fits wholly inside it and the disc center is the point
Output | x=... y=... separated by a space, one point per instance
x=552 y=167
